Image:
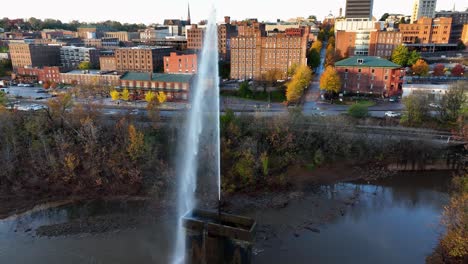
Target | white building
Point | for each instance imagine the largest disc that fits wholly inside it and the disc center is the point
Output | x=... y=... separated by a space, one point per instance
x=423 y=8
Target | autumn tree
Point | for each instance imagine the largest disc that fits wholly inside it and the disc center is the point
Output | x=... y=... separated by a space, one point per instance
x=317 y=45
x=300 y=81
x=135 y=147
x=330 y=80
x=400 y=55
x=162 y=98
x=313 y=58
x=150 y=96
x=439 y=70
x=85 y=65
x=272 y=76
x=46 y=85
x=458 y=70
x=125 y=95
x=420 y=68
x=115 y=95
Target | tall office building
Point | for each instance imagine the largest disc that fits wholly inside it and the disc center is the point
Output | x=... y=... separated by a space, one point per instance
x=423 y=8
x=359 y=9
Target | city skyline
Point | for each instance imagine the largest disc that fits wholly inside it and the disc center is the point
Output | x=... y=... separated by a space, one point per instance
x=177 y=9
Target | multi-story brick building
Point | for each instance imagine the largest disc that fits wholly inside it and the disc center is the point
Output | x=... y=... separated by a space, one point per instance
x=180 y=64
x=195 y=35
x=459 y=19
x=32 y=75
x=175 y=86
x=54 y=34
x=253 y=56
x=23 y=54
x=427 y=31
x=123 y=36
x=90 y=77
x=71 y=56
x=90 y=32
x=107 y=61
x=226 y=32
x=353 y=36
x=370 y=75
x=464 y=37
x=107 y=43
x=141 y=59
x=383 y=43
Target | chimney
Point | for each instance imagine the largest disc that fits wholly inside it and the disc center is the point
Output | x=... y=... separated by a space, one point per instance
x=227 y=20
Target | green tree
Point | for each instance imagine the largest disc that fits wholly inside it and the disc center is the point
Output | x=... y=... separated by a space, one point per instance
x=400 y=55
x=453 y=102
x=416 y=110
x=420 y=68
x=245 y=91
x=330 y=80
x=358 y=111
x=313 y=58
x=3 y=99
x=384 y=17
x=85 y=65
x=413 y=57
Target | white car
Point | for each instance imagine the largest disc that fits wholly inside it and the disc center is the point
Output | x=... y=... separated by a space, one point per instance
x=433 y=105
x=392 y=114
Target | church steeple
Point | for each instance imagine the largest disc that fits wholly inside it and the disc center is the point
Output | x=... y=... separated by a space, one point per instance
x=188 y=15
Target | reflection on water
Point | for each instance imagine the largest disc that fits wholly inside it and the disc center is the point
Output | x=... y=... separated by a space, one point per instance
x=393 y=221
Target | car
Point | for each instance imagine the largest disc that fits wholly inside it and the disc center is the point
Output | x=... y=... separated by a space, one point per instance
x=393 y=99
x=135 y=112
x=434 y=105
x=392 y=114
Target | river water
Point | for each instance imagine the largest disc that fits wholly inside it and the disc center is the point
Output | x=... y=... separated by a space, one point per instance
x=391 y=221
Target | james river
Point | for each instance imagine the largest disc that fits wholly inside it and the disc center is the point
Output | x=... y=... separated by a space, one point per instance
x=392 y=221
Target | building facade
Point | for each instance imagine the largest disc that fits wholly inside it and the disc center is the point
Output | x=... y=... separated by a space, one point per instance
x=30 y=55
x=90 y=77
x=423 y=8
x=175 y=86
x=32 y=75
x=107 y=62
x=253 y=56
x=359 y=9
x=181 y=64
x=459 y=19
x=370 y=75
x=123 y=36
x=195 y=35
x=226 y=32
x=108 y=43
x=427 y=31
x=71 y=56
x=383 y=43
x=141 y=59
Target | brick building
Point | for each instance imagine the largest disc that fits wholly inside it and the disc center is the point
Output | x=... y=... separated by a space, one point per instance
x=459 y=19
x=141 y=59
x=370 y=75
x=107 y=61
x=180 y=64
x=427 y=31
x=102 y=43
x=33 y=75
x=23 y=54
x=90 y=77
x=195 y=35
x=253 y=56
x=464 y=37
x=175 y=86
x=123 y=36
x=226 y=32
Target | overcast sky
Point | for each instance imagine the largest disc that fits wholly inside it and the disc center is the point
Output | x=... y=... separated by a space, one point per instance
x=146 y=11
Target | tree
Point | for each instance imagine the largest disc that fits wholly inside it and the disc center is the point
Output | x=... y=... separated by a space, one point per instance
x=384 y=17
x=272 y=76
x=125 y=95
x=458 y=70
x=439 y=70
x=162 y=98
x=314 y=58
x=46 y=85
x=115 y=95
x=400 y=55
x=245 y=91
x=330 y=56
x=358 y=111
x=317 y=45
x=85 y=65
x=330 y=80
x=300 y=81
x=136 y=143
x=150 y=96
x=403 y=20
x=413 y=57
x=420 y=68
x=416 y=110
x=453 y=101
x=3 y=99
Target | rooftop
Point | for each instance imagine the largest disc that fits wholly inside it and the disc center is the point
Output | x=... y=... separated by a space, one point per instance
x=160 y=77
x=92 y=72
x=366 y=61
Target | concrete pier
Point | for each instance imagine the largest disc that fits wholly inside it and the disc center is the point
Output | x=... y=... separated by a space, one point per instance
x=214 y=238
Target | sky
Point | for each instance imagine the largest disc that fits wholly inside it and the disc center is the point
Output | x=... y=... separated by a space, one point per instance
x=145 y=11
